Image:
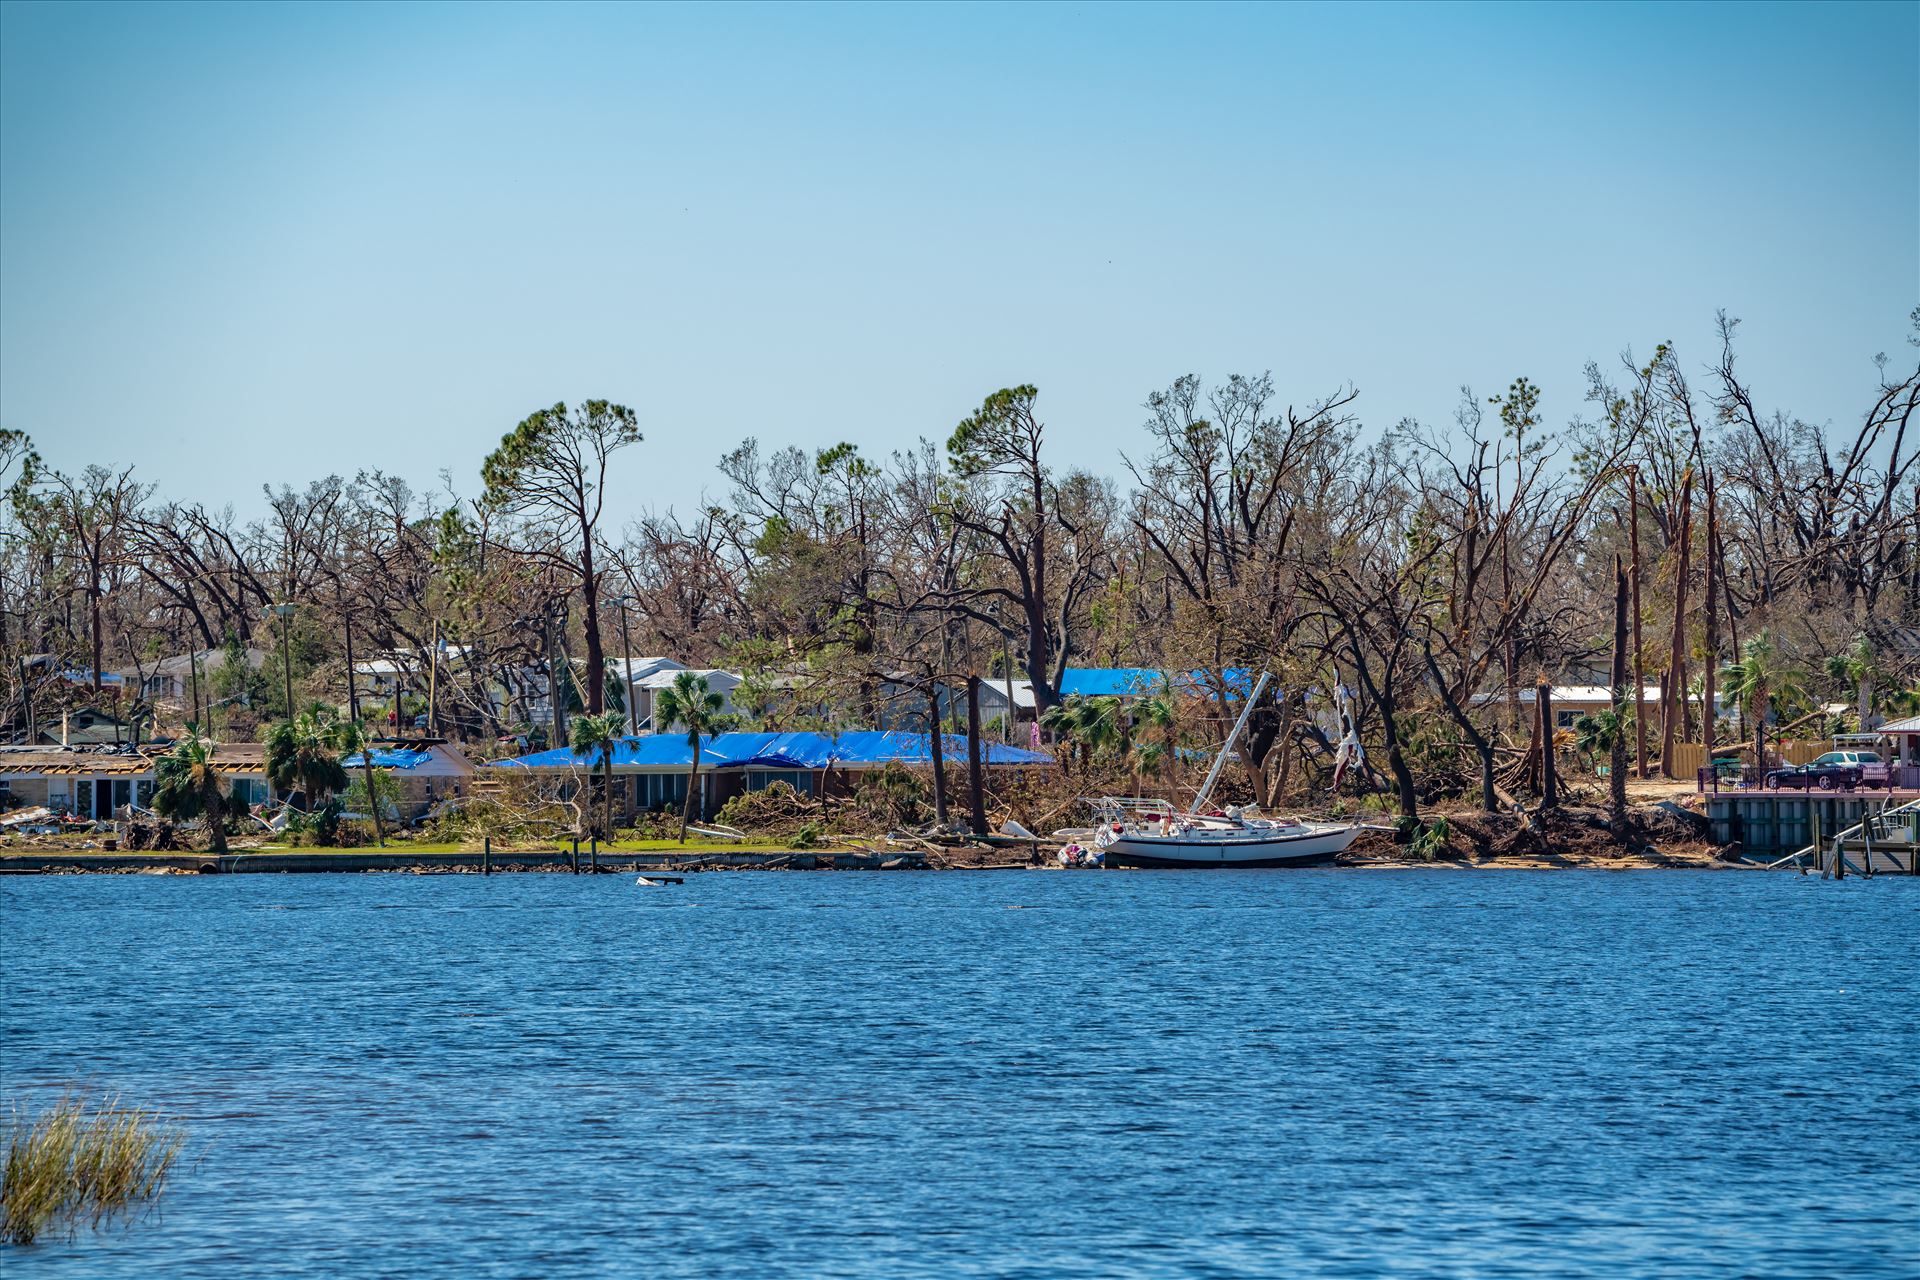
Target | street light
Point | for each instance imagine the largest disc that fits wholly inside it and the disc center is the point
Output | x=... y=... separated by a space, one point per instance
x=284 y=612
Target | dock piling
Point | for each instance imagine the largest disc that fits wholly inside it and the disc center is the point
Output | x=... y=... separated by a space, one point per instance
x=486 y=855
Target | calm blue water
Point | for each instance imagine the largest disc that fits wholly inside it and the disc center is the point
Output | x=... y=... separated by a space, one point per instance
x=1337 y=1072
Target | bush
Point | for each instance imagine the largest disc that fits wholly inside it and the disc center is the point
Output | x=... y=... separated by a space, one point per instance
x=893 y=794
x=1429 y=842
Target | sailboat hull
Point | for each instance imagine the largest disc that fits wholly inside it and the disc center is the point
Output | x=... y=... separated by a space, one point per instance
x=1251 y=850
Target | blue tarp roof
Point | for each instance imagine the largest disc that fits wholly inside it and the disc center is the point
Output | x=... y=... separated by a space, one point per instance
x=389 y=758
x=1110 y=682
x=1122 y=682
x=779 y=751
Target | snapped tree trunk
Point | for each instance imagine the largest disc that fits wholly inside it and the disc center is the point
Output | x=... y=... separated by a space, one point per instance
x=1639 y=655
x=1617 y=755
x=935 y=745
x=1708 y=702
x=1677 y=664
x=1549 y=777
x=976 y=788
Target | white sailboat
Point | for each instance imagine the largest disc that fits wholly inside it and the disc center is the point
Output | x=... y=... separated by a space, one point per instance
x=1152 y=833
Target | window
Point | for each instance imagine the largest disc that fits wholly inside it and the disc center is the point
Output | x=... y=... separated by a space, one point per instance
x=800 y=780
x=659 y=789
x=1565 y=719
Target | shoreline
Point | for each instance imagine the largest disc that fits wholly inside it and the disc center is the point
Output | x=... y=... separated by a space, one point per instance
x=474 y=862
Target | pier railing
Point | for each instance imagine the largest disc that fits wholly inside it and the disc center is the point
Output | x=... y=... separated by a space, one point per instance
x=1712 y=782
x=1887 y=839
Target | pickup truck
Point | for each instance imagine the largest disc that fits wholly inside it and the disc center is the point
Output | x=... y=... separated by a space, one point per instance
x=1836 y=770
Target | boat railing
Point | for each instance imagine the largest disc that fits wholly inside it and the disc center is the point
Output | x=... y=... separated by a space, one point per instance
x=1124 y=807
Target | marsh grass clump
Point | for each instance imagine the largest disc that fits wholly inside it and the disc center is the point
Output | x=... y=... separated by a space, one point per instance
x=82 y=1163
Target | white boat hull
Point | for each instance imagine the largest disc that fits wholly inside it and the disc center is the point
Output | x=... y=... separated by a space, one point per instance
x=1236 y=849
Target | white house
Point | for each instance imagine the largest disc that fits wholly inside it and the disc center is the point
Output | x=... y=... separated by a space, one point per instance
x=172 y=679
x=647 y=687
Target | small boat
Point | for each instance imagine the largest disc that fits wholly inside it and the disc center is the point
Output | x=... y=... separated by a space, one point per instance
x=1168 y=839
x=1149 y=833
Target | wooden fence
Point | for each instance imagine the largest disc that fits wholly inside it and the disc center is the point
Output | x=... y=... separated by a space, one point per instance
x=1691 y=757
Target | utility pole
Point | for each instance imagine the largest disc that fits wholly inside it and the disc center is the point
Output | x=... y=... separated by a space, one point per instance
x=353 y=695
x=433 y=682
x=26 y=692
x=284 y=611
x=193 y=675
x=1006 y=667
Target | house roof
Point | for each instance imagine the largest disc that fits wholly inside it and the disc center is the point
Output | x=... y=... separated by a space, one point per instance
x=235 y=757
x=183 y=664
x=1130 y=682
x=62 y=760
x=717 y=680
x=644 y=667
x=858 y=749
x=415 y=757
x=1909 y=725
x=1578 y=693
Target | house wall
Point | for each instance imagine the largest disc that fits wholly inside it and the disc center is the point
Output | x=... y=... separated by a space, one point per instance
x=25 y=789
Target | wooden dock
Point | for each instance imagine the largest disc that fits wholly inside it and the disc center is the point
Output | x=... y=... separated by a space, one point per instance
x=1836 y=833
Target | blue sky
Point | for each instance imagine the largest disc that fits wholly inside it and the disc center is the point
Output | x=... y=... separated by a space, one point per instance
x=254 y=245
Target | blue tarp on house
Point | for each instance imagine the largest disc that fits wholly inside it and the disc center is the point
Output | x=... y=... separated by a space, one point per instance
x=1111 y=682
x=389 y=758
x=863 y=748
x=649 y=750
x=1133 y=682
x=857 y=749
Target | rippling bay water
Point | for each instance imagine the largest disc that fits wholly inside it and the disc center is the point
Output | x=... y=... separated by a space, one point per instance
x=1001 y=1073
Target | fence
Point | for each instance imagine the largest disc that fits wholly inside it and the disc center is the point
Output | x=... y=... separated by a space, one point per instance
x=1691 y=757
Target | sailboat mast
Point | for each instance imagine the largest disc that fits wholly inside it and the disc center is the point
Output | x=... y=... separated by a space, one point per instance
x=1213 y=774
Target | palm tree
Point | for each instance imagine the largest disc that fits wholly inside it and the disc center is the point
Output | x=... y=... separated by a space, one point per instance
x=303 y=754
x=1902 y=702
x=1087 y=724
x=689 y=702
x=599 y=736
x=188 y=784
x=1855 y=666
x=1754 y=682
x=356 y=739
x=1154 y=711
x=1595 y=732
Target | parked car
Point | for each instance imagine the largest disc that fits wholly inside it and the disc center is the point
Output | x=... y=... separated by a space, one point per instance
x=1833 y=771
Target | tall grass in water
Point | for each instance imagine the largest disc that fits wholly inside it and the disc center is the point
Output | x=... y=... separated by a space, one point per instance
x=82 y=1163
